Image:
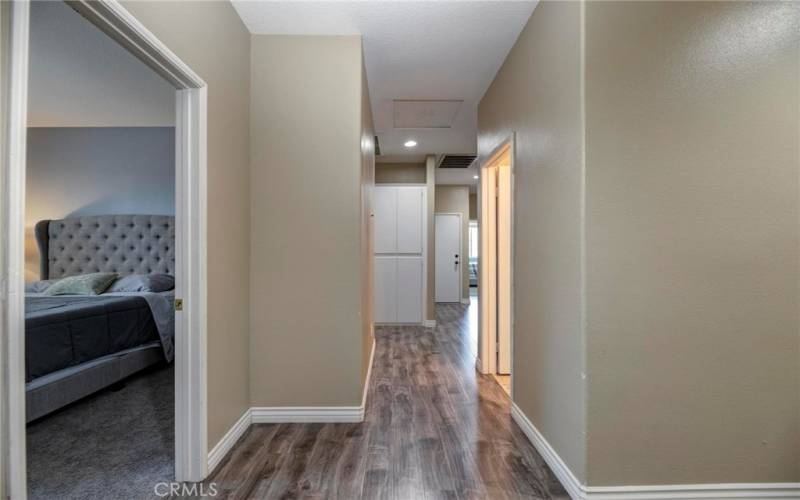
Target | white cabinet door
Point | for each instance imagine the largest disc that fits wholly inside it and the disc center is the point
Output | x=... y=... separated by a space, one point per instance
x=409 y=289
x=385 y=219
x=398 y=223
x=385 y=289
x=409 y=219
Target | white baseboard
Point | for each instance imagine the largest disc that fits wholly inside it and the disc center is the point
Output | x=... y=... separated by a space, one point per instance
x=316 y=414
x=230 y=438
x=578 y=491
x=559 y=468
x=429 y=323
x=722 y=491
x=465 y=301
x=306 y=414
x=268 y=415
x=302 y=414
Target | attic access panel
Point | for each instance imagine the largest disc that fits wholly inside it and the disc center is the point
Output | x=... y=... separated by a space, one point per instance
x=425 y=113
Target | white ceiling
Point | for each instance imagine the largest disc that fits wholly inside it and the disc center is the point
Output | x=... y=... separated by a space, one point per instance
x=79 y=77
x=413 y=50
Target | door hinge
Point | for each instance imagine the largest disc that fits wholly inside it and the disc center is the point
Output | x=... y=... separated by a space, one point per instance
x=179 y=304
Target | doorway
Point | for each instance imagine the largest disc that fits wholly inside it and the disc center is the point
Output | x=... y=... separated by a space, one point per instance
x=496 y=263
x=448 y=257
x=191 y=451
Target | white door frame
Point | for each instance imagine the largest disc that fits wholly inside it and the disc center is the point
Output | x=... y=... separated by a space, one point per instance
x=460 y=253
x=487 y=363
x=191 y=447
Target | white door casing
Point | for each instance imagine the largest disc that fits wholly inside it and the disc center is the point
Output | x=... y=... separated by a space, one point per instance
x=504 y=269
x=448 y=259
x=488 y=307
x=191 y=455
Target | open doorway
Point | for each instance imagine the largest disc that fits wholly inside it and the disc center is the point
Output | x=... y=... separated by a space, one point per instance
x=496 y=261
x=189 y=94
x=474 y=251
x=100 y=211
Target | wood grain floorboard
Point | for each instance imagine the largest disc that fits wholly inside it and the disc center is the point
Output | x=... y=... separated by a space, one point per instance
x=434 y=429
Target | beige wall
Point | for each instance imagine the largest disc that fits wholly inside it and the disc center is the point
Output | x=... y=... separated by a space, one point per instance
x=223 y=61
x=536 y=94
x=430 y=180
x=455 y=199
x=307 y=330
x=367 y=240
x=693 y=128
x=691 y=239
x=400 y=173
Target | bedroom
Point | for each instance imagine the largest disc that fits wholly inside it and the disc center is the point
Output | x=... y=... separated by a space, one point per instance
x=99 y=263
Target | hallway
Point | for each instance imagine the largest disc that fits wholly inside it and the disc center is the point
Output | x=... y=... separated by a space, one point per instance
x=434 y=429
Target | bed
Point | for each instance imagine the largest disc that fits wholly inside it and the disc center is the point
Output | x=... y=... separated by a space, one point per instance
x=76 y=345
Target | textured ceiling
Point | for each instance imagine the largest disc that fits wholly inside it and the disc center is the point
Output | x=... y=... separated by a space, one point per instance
x=425 y=114
x=432 y=50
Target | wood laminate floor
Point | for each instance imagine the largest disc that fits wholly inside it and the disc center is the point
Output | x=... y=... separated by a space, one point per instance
x=504 y=381
x=434 y=429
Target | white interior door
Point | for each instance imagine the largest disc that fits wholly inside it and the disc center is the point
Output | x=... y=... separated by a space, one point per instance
x=409 y=219
x=385 y=289
x=504 y=269
x=385 y=220
x=448 y=257
x=487 y=286
x=409 y=289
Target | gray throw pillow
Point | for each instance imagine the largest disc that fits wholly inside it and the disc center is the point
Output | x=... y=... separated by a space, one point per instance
x=84 y=284
x=143 y=283
x=38 y=286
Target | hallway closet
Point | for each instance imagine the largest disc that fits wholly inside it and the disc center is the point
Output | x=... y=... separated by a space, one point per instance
x=400 y=250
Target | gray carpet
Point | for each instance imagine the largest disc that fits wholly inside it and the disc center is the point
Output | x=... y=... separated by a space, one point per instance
x=109 y=445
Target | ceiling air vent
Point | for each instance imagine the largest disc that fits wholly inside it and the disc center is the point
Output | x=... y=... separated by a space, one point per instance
x=457 y=161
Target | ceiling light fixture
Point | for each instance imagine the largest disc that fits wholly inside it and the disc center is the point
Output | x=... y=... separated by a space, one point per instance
x=410 y=143
x=475 y=177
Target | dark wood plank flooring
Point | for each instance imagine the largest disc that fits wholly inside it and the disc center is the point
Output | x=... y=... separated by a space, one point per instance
x=434 y=428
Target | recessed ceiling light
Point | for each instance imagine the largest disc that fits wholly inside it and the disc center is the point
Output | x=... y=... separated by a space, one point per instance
x=410 y=144
x=475 y=177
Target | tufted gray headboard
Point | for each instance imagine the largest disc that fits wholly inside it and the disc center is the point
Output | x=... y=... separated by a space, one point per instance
x=124 y=244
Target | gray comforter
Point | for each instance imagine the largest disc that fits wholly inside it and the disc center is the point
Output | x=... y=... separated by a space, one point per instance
x=162 y=307
x=64 y=331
